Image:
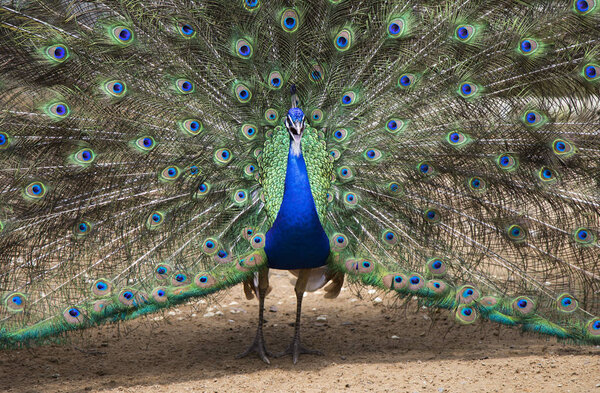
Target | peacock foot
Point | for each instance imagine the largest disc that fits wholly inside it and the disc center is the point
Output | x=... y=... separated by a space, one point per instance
x=258 y=347
x=296 y=349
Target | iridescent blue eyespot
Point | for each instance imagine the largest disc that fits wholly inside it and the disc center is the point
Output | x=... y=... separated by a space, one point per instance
x=180 y=277
x=187 y=30
x=398 y=279
x=74 y=312
x=415 y=280
x=466 y=311
x=17 y=300
x=466 y=89
x=3 y=139
x=583 y=7
x=128 y=295
x=58 y=53
x=462 y=33
x=161 y=270
x=289 y=20
x=244 y=49
x=342 y=42
x=160 y=293
x=396 y=28
x=405 y=81
x=590 y=72
x=122 y=35
x=526 y=46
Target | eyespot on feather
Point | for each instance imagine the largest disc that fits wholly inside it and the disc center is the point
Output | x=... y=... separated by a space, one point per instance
x=191 y=127
x=162 y=271
x=396 y=281
x=122 y=35
x=523 y=305
x=15 y=302
x=204 y=280
x=290 y=20
x=155 y=220
x=343 y=40
x=222 y=156
x=74 y=316
x=566 y=303
x=436 y=267
x=243 y=49
x=115 y=88
x=466 y=314
x=101 y=287
x=160 y=295
x=339 y=242
x=415 y=282
x=84 y=156
x=467 y=294
x=185 y=86
x=35 y=190
x=180 y=279
x=57 y=53
x=271 y=116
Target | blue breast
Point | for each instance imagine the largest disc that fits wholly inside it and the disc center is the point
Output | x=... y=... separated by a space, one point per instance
x=296 y=240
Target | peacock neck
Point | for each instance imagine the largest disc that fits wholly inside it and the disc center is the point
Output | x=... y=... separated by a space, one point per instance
x=297 y=239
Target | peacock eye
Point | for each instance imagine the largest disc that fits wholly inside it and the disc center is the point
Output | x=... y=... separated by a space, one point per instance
x=243 y=93
x=533 y=118
x=406 y=80
x=468 y=90
x=243 y=49
x=349 y=98
x=591 y=72
x=115 y=88
x=316 y=73
x=58 y=110
x=271 y=115
x=275 y=80
x=191 y=127
x=464 y=32
x=528 y=46
x=395 y=28
x=184 y=86
x=122 y=35
x=145 y=143
x=58 y=53
x=222 y=156
x=240 y=196
x=583 y=7
x=186 y=30
x=289 y=21
x=84 y=156
x=343 y=40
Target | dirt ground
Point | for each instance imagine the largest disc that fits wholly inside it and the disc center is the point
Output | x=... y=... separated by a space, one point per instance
x=368 y=347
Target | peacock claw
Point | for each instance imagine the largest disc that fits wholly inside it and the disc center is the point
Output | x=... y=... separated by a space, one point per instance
x=258 y=347
x=296 y=349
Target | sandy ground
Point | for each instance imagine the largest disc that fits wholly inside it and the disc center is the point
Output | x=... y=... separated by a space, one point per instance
x=368 y=347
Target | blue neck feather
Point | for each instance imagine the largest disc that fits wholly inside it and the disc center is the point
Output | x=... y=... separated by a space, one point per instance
x=297 y=240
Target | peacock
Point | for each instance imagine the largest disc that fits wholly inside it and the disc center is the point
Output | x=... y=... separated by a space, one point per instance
x=152 y=152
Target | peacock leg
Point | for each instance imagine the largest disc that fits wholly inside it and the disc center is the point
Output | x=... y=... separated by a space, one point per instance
x=258 y=345
x=296 y=349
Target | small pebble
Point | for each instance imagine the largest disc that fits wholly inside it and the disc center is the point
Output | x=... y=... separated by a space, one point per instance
x=394 y=337
x=273 y=309
x=378 y=300
x=322 y=318
x=371 y=291
x=209 y=314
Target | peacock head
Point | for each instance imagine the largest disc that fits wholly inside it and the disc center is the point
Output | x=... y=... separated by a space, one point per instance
x=295 y=123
